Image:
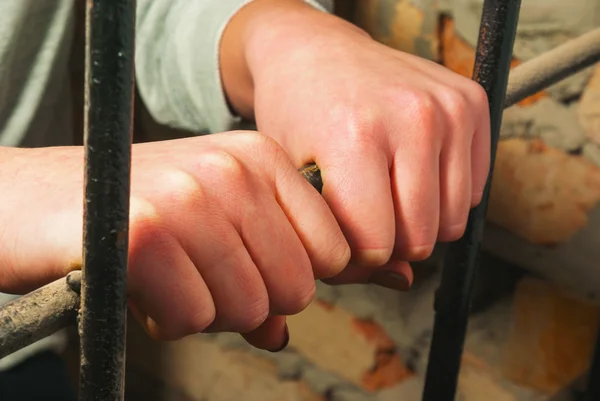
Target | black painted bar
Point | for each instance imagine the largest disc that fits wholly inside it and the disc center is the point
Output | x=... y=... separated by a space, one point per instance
x=452 y=303
x=593 y=380
x=109 y=63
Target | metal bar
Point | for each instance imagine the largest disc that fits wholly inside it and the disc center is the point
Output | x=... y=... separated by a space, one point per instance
x=492 y=65
x=43 y=312
x=109 y=63
x=553 y=66
x=592 y=392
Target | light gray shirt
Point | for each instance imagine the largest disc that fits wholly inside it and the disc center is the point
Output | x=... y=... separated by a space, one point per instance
x=177 y=73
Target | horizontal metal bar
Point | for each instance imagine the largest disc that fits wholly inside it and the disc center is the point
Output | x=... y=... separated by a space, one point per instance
x=573 y=59
x=549 y=68
x=42 y=312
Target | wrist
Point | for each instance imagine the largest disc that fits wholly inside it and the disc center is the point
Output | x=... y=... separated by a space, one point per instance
x=297 y=29
x=264 y=32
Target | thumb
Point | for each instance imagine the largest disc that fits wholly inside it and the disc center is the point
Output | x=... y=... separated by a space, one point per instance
x=272 y=335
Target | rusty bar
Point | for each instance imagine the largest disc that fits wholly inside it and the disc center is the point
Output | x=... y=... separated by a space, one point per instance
x=553 y=66
x=109 y=76
x=492 y=65
x=42 y=312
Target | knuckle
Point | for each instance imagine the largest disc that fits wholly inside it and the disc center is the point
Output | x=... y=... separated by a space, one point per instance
x=252 y=315
x=452 y=232
x=373 y=257
x=299 y=298
x=147 y=232
x=253 y=138
x=417 y=253
x=197 y=320
x=180 y=324
x=418 y=244
x=422 y=109
x=177 y=185
x=143 y=212
x=335 y=258
x=260 y=146
x=455 y=104
x=422 y=104
x=477 y=92
x=360 y=125
x=223 y=166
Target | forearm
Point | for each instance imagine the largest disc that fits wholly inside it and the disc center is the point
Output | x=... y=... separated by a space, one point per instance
x=37 y=223
x=11 y=162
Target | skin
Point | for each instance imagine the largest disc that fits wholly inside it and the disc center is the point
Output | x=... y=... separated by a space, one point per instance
x=233 y=238
x=403 y=143
x=231 y=235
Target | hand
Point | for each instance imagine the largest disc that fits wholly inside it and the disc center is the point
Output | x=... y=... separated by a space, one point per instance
x=223 y=233
x=403 y=143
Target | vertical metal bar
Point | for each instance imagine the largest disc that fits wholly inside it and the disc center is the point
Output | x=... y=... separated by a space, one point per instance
x=492 y=65
x=109 y=62
x=592 y=392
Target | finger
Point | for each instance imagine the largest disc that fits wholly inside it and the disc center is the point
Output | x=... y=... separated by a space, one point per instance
x=273 y=335
x=479 y=115
x=213 y=244
x=455 y=168
x=313 y=222
x=169 y=296
x=279 y=256
x=395 y=274
x=233 y=279
x=304 y=208
x=416 y=191
x=481 y=148
x=356 y=185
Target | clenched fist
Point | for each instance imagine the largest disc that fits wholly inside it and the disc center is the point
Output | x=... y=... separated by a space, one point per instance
x=225 y=234
x=403 y=143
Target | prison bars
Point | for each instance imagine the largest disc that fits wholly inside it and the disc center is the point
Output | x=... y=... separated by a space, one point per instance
x=109 y=82
x=525 y=80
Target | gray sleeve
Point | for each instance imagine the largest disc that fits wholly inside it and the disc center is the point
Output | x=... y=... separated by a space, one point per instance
x=177 y=61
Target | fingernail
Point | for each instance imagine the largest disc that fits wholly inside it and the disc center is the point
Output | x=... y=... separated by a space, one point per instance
x=391 y=280
x=285 y=341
